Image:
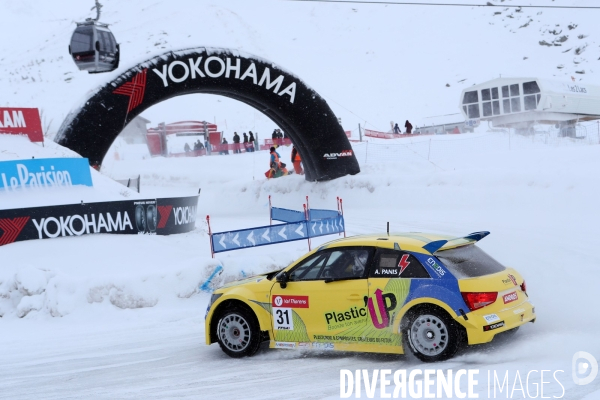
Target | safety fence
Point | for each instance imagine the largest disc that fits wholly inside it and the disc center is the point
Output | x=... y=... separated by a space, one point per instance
x=388 y=135
x=298 y=225
x=438 y=147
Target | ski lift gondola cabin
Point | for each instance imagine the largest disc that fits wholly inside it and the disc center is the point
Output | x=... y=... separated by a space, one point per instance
x=94 y=48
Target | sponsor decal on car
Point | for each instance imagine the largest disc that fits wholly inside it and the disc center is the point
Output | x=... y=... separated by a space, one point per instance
x=511 y=279
x=342 y=338
x=323 y=346
x=491 y=318
x=510 y=297
x=353 y=316
x=316 y=346
x=436 y=267
x=285 y=345
x=493 y=326
x=385 y=303
x=290 y=301
x=518 y=311
x=282 y=310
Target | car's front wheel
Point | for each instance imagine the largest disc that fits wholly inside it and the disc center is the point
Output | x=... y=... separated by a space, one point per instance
x=238 y=333
x=431 y=334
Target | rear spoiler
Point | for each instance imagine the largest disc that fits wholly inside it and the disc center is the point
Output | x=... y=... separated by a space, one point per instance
x=471 y=238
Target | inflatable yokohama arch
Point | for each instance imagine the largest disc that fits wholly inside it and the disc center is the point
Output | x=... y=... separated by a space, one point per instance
x=296 y=108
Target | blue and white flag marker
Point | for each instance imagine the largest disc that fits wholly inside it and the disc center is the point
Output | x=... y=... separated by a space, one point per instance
x=297 y=225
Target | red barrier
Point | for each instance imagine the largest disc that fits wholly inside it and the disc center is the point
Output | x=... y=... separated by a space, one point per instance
x=278 y=142
x=387 y=135
x=242 y=147
x=381 y=135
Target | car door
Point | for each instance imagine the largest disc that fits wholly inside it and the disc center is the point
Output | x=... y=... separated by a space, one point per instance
x=389 y=279
x=323 y=300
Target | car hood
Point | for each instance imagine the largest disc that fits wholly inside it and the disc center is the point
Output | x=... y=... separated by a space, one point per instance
x=245 y=281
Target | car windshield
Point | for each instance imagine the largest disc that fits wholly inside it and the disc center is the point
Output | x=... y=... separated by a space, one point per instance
x=469 y=262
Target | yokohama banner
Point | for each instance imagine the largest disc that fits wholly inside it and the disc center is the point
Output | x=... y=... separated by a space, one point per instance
x=133 y=217
x=22 y=121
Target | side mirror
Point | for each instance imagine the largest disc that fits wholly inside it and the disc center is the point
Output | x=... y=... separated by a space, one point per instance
x=97 y=45
x=283 y=278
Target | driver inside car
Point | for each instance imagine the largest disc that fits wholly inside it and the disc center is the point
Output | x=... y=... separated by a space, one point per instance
x=352 y=265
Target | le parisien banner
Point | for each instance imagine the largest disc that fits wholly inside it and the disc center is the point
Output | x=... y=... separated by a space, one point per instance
x=21 y=121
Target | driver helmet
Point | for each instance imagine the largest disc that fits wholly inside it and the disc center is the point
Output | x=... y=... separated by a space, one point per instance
x=360 y=262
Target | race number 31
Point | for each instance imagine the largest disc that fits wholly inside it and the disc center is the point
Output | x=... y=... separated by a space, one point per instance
x=282 y=310
x=282 y=319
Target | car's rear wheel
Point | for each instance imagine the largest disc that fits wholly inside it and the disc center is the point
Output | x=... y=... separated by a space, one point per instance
x=238 y=333
x=431 y=335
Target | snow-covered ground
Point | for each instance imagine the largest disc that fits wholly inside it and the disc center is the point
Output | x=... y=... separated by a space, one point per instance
x=110 y=316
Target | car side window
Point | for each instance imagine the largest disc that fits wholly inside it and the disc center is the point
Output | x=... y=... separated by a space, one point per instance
x=397 y=264
x=346 y=263
x=333 y=264
x=309 y=269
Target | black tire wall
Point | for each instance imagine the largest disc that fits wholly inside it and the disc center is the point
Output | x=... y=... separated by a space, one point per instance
x=304 y=115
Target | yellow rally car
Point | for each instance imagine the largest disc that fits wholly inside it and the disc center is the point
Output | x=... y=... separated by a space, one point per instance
x=377 y=293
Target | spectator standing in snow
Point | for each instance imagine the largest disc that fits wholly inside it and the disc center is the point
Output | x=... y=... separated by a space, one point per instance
x=251 y=141
x=207 y=145
x=296 y=161
x=275 y=135
x=225 y=150
x=456 y=130
x=187 y=148
x=236 y=143
x=408 y=127
x=397 y=130
x=245 y=141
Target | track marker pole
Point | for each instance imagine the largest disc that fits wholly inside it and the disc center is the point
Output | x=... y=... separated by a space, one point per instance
x=270 y=212
x=212 y=254
x=338 y=208
x=307 y=209
x=307 y=225
x=342 y=208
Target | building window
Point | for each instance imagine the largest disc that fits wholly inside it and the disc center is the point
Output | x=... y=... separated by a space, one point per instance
x=531 y=98
x=491 y=103
x=471 y=100
x=511 y=100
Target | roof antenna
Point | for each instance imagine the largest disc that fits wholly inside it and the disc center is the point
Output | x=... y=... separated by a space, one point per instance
x=388 y=228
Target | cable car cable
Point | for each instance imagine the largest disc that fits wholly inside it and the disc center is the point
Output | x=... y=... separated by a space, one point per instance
x=404 y=3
